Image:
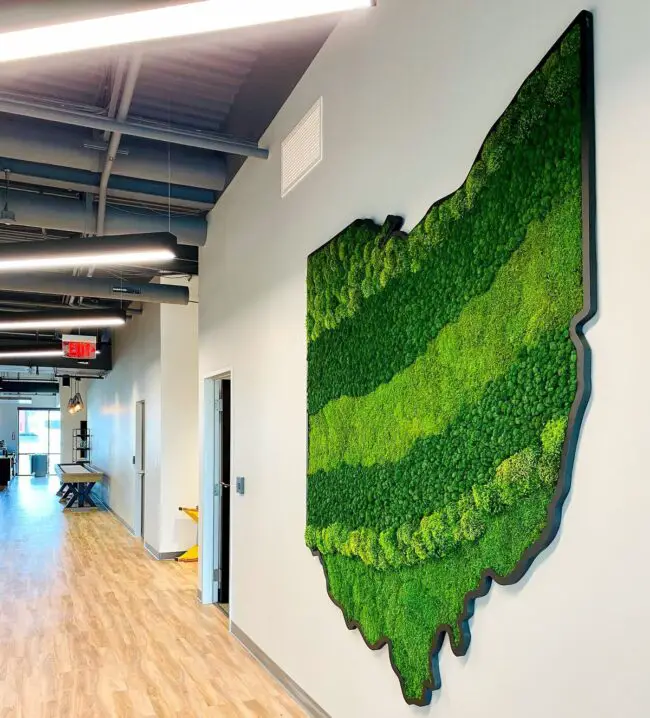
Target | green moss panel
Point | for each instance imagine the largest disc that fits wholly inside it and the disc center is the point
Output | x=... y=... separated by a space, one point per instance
x=541 y=287
x=466 y=520
x=442 y=377
x=358 y=264
x=477 y=243
x=409 y=605
x=539 y=386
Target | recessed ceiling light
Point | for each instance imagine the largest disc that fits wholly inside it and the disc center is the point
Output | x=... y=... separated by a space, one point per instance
x=165 y=22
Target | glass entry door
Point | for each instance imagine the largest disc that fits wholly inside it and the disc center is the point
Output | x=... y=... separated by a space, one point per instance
x=39 y=432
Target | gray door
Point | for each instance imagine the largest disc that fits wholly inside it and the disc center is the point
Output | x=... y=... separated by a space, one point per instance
x=139 y=465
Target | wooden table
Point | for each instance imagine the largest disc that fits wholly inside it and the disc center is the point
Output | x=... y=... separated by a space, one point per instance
x=77 y=481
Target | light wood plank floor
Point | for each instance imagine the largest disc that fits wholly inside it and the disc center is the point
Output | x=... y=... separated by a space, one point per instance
x=92 y=627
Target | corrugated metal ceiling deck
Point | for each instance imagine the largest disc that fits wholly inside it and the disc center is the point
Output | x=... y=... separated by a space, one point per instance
x=192 y=87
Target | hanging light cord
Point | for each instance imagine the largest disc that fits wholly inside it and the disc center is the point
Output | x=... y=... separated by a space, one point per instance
x=7 y=189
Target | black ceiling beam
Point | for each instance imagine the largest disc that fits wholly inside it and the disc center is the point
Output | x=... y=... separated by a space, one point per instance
x=103 y=362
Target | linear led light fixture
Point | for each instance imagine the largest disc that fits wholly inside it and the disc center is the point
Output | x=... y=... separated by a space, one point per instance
x=94 y=319
x=123 y=249
x=33 y=353
x=30 y=353
x=160 y=23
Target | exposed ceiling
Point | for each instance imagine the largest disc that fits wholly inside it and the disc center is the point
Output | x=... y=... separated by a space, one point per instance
x=222 y=89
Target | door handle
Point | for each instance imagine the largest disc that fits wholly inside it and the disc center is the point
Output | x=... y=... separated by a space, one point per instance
x=224 y=484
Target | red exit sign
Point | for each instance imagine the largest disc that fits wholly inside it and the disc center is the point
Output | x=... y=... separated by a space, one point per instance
x=79 y=347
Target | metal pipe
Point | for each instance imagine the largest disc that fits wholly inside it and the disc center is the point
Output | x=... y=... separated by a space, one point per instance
x=100 y=288
x=122 y=113
x=153 y=132
x=114 y=143
x=118 y=79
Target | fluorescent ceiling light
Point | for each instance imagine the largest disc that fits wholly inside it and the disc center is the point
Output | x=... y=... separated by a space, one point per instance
x=166 y=22
x=62 y=320
x=91 y=252
x=31 y=353
x=60 y=323
x=80 y=260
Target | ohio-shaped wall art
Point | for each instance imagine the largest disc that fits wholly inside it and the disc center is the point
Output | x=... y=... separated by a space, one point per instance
x=448 y=376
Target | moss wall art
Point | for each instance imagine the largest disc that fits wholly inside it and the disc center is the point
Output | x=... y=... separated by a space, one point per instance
x=448 y=376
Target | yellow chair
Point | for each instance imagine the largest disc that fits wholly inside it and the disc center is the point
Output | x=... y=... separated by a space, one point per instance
x=192 y=554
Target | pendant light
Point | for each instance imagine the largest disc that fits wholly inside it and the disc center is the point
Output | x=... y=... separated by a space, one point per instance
x=6 y=215
x=76 y=404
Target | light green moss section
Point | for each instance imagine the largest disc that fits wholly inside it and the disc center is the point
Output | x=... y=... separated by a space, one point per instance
x=464 y=521
x=539 y=288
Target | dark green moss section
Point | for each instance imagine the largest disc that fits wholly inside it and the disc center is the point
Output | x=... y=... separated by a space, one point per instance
x=510 y=416
x=392 y=328
x=408 y=605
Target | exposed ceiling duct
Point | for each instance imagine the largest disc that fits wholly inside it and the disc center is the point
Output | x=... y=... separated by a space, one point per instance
x=116 y=289
x=69 y=214
x=56 y=146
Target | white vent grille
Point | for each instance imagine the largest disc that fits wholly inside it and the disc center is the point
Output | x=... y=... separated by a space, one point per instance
x=302 y=150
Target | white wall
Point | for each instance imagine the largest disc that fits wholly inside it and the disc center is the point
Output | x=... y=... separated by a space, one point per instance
x=410 y=90
x=155 y=360
x=9 y=424
x=180 y=421
x=111 y=420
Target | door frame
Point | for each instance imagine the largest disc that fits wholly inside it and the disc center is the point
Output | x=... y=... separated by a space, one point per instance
x=139 y=472
x=210 y=463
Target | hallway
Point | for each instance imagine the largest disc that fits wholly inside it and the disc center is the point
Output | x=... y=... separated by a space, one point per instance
x=91 y=626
